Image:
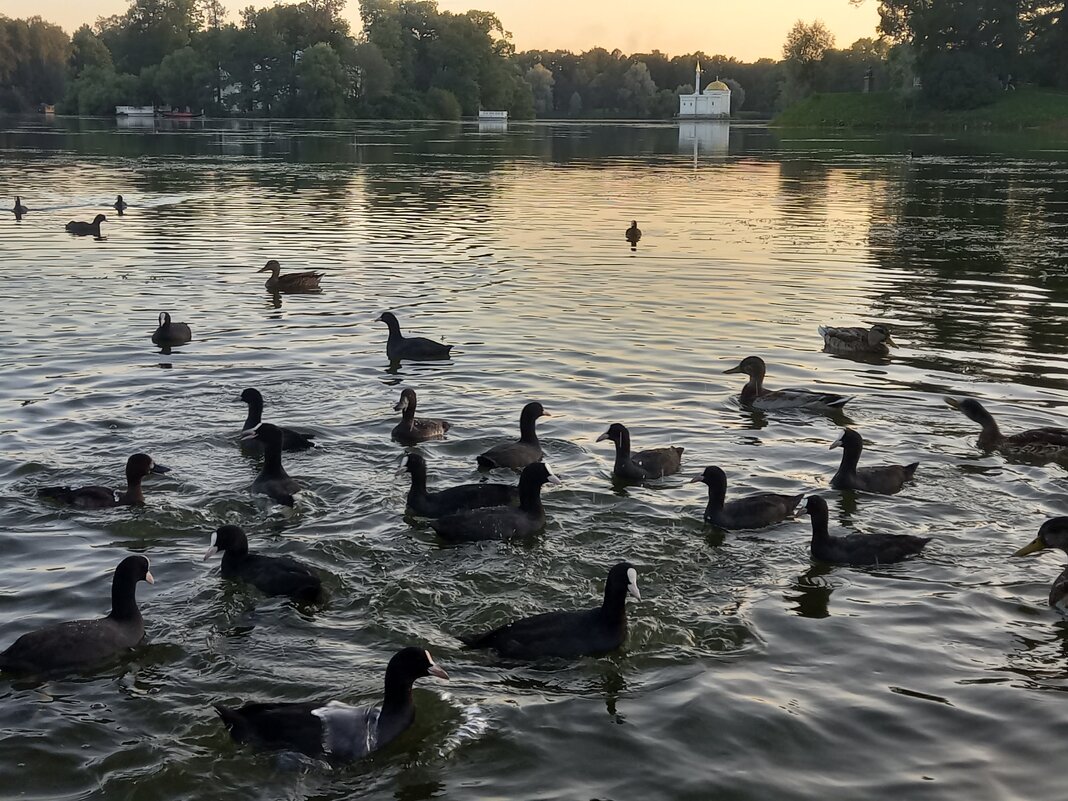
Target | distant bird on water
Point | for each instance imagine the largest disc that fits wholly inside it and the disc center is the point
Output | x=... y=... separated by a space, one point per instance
x=876 y=548
x=170 y=334
x=651 y=463
x=79 y=228
x=750 y=511
x=884 y=479
x=416 y=349
x=875 y=340
x=291 y=440
x=19 y=209
x=411 y=429
x=1037 y=444
x=634 y=233
x=273 y=480
x=755 y=394
x=95 y=497
x=120 y=205
x=290 y=282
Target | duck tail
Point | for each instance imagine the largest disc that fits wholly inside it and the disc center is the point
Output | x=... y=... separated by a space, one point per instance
x=910 y=469
x=485 y=463
x=823 y=331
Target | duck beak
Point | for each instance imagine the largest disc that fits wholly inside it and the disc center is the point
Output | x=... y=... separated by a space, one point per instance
x=545 y=414
x=737 y=369
x=952 y=403
x=149 y=578
x=262 y=270
x=553 y=478
x=836 y=444
x=158 y=468
x=439 y=671
x=696 y=479
x=400 y=406
x=603 y=437
x=1034 y=546
x=210 y=553
x=634 y=592
x=250 y=434
x=890 y=342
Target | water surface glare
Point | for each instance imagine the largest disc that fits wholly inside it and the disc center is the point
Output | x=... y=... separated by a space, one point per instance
x=749 y=671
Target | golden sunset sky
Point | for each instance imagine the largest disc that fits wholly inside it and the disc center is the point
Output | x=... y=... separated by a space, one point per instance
x=747 y=30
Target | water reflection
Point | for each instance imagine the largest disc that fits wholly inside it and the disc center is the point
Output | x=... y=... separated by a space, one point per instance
x=813 y=590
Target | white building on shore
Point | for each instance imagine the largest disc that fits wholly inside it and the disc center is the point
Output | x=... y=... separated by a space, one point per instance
x=714 y=103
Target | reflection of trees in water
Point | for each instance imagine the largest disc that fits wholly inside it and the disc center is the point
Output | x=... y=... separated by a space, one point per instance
x=984 y=246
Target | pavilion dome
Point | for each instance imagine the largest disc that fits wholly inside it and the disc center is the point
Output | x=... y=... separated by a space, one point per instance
x=717 y=86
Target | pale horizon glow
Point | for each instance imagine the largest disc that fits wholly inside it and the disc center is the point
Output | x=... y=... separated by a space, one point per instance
x=747 y=31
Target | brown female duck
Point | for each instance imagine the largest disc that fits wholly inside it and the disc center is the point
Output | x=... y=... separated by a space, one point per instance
x=1037 y=444
x=290 y=282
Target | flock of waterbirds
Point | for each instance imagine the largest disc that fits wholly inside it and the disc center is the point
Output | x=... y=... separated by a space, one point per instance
x=484 y=511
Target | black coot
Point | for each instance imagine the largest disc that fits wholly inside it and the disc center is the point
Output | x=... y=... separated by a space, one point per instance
x=502 y=522
x=271 y=575
x=19 y=209
x=333 y=729
x=453 y=499
x=884 y=479
x=273 y=480
x=517 y=455
x=752 y=511
x=291 y=440
x=95 y=497
x=857 y=549
x=400 y=347
x=120 y=205
x=79 y=228
x=410 y=430
x=80 y=644
x=634 y=233
x=168 y=334
x=652 y=463
x=589 y=632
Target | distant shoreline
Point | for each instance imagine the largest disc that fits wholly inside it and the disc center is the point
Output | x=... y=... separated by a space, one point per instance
x=1026 y=108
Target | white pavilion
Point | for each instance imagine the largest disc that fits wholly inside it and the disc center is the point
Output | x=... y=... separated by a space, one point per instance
x=714 y=103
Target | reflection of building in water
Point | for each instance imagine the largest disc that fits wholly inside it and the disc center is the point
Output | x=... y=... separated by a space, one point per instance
x=492 y=126
x=710 y=138
x=712 y=104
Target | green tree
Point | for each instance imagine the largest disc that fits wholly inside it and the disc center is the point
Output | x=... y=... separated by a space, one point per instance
x=574 y=105
x=737 y=95
x=34 y=57
x=443 y=104
x=803 y=52
x=323 y=82
x=149 y=30
x=184 y=79
x=541 y=87
x=637 y=91
x=87 y=50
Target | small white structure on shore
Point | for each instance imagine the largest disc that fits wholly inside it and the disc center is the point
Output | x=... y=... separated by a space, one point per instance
x=494 y=116
x=712 y=104
x=135 y=111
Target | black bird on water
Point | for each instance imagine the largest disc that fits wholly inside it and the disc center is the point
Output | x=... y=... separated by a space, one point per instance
x=634 y=234
x=79 y=228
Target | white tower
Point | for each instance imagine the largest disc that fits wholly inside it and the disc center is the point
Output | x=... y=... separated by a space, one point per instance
x=697 y=80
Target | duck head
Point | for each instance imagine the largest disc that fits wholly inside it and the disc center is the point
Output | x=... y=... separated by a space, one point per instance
x=970 y=408
x=140 y=465
x=272 y=267
x=1052 y=534
x=227 y=538
x=615 y=433
x=880 y=335
x=752 y=366
x=711 y=476
x=407 y=401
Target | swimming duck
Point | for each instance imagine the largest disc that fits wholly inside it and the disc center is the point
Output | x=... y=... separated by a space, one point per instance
x=19 y=209
x=857 y=549
x=502 y=522
x=884 y=479
x=875 y=340
x=290 y=282
x=752 y=511
x=652 y=463
x=417 y=349
x=754 y=394
x=567 y=635
x=453 y=499
x=79 y=228
x=1052 y=534
x=271 y=575
x=333 y=729
x=80 y=644
x=1041 y=444
x=634 y=233
x=517 y=455
x=137 y=467
x=409 y=430
x=273 y=481
x=120 y=205
x=168 y=334
x=291 y=440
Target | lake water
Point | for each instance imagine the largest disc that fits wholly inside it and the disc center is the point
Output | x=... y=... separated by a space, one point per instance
x=749 y=672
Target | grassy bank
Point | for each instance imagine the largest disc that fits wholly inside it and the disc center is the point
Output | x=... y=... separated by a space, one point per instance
x=1024 y=108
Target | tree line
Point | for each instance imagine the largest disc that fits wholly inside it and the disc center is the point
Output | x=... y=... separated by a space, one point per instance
x=412 y=60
